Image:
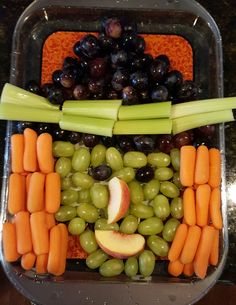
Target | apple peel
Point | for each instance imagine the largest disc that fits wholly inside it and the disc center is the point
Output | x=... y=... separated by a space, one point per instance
x=119 y=245
x=119 y=199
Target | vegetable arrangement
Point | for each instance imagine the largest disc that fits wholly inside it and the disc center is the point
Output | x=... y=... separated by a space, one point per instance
x=33 y=198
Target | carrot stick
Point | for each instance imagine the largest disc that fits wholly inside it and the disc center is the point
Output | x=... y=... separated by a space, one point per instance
x=9 y=242
x=190 y=245
x=30 y=154
x=215 y=212
x=16 y=194
x=40 y=234
x=50 y=220
x=203 y=194
x=41 y=264
x=215 y=167
x=175 y=268
x=202 y=165
x=214 y=256
x=28 y=260
x=188 y=269
x=64 y=246
x=55 y=248
x=17 y=152
x=44 y=153
x=189 y=206
x=23 y=232
x=52 y=192
x=201 y=259
x=178 y=242
x=187 y=165
x=27 y=182
x=35 y=198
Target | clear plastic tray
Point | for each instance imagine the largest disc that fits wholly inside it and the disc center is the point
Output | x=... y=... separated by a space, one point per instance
x=184 y=18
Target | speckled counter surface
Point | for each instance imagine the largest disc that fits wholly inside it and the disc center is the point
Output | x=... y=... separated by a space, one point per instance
x=224 y=13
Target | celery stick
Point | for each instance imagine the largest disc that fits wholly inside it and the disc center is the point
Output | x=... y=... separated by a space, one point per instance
x=22 y=113
x=202 y=119
x=203 y=106
x=96 y=109
x=14 y=95
x=146 y=111
x=154 y=126
x=102 y=127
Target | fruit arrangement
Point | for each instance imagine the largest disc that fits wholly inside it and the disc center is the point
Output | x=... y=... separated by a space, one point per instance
x=131 y=198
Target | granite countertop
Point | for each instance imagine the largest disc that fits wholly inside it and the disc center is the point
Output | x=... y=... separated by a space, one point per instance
x=224 y=14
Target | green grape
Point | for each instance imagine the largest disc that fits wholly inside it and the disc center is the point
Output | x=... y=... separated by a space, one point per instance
x=62 y=149
x=136 y=192
x=82 y=180
x=161 y=206
x=76 y=226
x=127 y=174
x=99 y=195
x=81 y=159
x=63 y=166
x=169 y=189
x=175 y=158
x=150 y=226
x=101 y=224
x=65 y=213
x=176 y=208
x=84 y=196
x=112 y=267
x=170 y=228
x=129 y=224
x=131 y=266
x=176 y=180
x=158 y=245
x=98 y=155
x=146 y=263
x=88 y=241
x=114 y=159
x=66 y=183
x=141 y=210
x=88 y=212
x=96 y=259
x=151 y=189
x=69 y=196
x=135 y=159
x=158 y=159
x=163 y=173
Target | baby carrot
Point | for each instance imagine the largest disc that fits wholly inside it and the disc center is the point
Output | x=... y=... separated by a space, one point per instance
x=55 y=248
x=189 y=206
x=41 y=263
x=16 y=193
x=190 y=245
x=39 y=231
x=175 y=268
x=28 y=260
x=201 y=175
x=17 y=152
x=187 y=165
x=214 y=256
x=50 y=220
x=215 y=212
x=27 y=182
x=30 y=154
x=178 y=242
x=23 y=232
x=64 y=246
x=188 y=269
x=44 y=153
x=52 y=192
x=203 y=194
x=35 y=197
x=201 y=259
x=9 y=242
x=215 y=167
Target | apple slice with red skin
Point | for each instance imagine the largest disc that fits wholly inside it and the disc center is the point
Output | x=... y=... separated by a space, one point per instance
x=119 y=199
x=119 y=245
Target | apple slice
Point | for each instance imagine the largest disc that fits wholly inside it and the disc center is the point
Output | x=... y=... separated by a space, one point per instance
x=119 y=245
x=119 y=199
